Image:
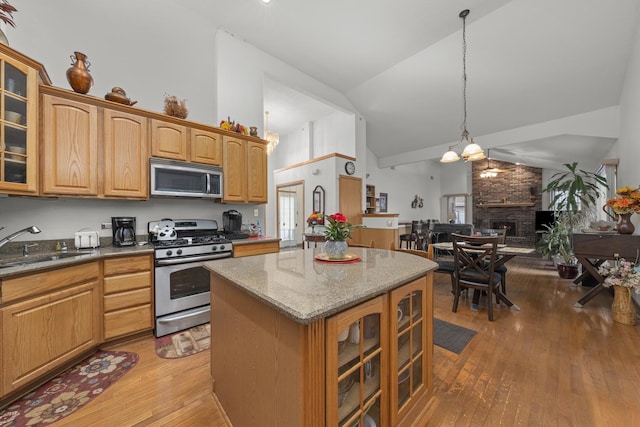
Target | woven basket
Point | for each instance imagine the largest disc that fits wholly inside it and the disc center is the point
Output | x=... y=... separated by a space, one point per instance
x=622 y=309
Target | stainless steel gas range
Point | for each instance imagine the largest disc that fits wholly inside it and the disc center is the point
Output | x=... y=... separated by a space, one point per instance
x=182 y=246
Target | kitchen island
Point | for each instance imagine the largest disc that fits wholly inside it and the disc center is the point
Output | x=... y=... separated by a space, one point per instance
x=297 y=341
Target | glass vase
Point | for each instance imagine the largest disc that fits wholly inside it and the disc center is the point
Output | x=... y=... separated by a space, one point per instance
x=336 y=249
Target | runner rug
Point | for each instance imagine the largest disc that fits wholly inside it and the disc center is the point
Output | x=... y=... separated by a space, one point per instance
x=184 y=343
x=69 y=391
x=451 y=337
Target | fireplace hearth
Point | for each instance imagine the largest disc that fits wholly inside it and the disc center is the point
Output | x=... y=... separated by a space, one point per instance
x=510 y=226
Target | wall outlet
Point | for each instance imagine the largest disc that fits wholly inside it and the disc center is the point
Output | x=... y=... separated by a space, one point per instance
x=105 y=225
x=255 y=212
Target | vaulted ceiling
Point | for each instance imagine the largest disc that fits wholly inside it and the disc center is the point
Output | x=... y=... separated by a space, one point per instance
x=400 y=64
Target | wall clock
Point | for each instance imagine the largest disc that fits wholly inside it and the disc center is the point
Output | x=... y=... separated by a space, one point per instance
x=350 y=168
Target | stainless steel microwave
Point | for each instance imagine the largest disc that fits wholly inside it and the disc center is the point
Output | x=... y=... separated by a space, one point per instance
x=182 y=179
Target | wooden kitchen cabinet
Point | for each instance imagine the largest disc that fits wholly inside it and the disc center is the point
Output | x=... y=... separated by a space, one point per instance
x=19 y=77
x=126 y=155
x=69 y=147
x=387 y=371
x=411 y=350
x=206 y=147
x=245 y=170
x=90 y=150
x=46 y=320
x=356 y=374
x=128 y=295
x=169 y=140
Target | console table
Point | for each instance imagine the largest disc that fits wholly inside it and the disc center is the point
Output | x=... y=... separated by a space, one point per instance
x=592 y=249
x=313 y=237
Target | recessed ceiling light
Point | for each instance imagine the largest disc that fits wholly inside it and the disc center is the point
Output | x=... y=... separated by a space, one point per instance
x=266 y=1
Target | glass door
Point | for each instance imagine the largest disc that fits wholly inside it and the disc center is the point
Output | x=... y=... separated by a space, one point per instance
x=356 y=350
x=13 y=119
x=409 y=348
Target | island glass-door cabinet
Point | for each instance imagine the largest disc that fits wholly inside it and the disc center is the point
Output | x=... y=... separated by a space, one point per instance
x=411 y=345
x=357 y=351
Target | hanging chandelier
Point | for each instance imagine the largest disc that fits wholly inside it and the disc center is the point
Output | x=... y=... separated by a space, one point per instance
x=471 y=151
x=272 y=137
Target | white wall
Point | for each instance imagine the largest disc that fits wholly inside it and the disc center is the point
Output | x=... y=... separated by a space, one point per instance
x=403 y=183
x=240 y=71
x=147 y=65
x=628 y=146
x=335 y=133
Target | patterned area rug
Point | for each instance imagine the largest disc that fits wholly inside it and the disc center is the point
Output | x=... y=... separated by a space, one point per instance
x=70 y=391
x=451 y=337
x=184 y=343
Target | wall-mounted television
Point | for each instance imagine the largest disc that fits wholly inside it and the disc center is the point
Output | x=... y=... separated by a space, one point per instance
x=544 y=218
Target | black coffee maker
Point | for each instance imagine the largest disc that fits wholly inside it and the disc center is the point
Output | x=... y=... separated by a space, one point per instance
x=231 y=222
x=124 y=230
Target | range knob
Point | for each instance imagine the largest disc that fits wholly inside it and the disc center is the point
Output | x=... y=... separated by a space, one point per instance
x=169 y=252
x=179 y=251
x=222 y=247
x=214 y=248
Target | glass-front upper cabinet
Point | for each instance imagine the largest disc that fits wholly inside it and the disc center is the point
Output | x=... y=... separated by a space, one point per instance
x=19 y=78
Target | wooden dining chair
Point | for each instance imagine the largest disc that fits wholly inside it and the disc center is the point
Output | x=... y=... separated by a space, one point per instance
x=412 y=237
x=502 y=239
x=474 y=261
x=444 y=266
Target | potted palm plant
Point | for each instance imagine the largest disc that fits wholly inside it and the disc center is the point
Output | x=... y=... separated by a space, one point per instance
x=574 y=195
x=6 y=16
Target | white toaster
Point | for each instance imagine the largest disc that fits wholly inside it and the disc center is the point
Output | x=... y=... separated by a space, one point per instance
x=87 y=239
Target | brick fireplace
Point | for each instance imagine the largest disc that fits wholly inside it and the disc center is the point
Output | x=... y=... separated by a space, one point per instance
x=508 y=200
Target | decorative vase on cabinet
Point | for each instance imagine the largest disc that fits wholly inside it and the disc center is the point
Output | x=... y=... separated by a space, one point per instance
x=78 y=74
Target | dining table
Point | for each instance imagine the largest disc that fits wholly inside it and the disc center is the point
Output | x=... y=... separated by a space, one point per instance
x=504 y=253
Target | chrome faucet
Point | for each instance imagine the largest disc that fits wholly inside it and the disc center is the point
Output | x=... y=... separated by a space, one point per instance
x=33 y=230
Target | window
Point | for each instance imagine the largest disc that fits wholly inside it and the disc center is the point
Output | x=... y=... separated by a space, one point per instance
x=456 y=208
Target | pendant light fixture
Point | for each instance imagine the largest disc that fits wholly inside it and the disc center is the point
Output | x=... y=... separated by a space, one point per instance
x=272 y=137
x=471 y=151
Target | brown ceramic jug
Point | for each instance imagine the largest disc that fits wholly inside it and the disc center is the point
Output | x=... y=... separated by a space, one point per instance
x=78 y=74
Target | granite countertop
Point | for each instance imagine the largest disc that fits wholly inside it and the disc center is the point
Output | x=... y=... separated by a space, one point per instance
x=306 y=290
x=72 y=256
x=253 y=240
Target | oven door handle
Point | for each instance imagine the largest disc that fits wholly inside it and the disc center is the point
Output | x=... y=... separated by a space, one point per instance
x=174 y=261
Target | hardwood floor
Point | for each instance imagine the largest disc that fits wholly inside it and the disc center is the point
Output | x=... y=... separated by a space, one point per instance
x=549 y=364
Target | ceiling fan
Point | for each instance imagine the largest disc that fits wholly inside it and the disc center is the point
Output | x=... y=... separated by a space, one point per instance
x=488 y=171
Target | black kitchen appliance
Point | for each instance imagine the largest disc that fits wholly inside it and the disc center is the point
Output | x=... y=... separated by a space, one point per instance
x=124 y=230
x=232 y=224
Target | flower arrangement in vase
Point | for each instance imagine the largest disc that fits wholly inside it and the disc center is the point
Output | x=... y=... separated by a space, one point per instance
x=625 y=204
x=337 y=231
x=316 y=218
x=624 y=276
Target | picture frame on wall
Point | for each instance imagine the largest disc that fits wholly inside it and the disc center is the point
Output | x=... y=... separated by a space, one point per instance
x=383 y=202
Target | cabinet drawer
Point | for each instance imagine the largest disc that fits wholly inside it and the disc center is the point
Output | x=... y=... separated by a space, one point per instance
x=127 y=321
x=114 y=266
x=240 y=251
x=47 y=281
x=127 y=299
x=127 y=282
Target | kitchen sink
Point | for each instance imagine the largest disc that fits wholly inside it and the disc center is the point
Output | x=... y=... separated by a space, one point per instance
x=35 y=259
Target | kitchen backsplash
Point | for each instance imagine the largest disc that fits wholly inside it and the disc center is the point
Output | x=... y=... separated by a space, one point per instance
x=60 y=218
